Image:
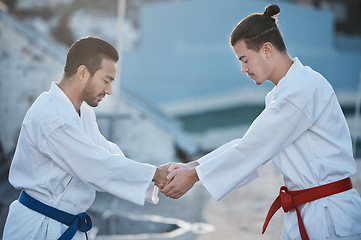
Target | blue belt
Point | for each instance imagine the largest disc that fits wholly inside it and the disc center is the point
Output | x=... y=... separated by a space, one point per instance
x=81 y=222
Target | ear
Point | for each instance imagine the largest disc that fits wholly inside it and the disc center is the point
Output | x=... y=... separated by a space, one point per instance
x=267 y=49
x=82 y=72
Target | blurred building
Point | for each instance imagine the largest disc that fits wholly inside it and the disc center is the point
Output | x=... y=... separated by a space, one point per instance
x=176 y=53
x=347 y=13
x=31 y=61
x=176 y=60
x=183 y=62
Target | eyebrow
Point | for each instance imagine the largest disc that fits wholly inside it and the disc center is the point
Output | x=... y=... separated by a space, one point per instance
x=110 y=78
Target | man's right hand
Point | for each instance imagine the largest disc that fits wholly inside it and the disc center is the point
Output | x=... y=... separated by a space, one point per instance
x=181 y=178
x=160 y=176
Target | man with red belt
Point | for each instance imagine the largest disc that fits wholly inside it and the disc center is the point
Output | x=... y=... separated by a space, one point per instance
x=302 y=130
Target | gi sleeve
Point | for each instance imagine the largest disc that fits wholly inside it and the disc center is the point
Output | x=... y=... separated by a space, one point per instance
x=218 y=151
x=278 y=126
x=81 y=157
x=110 y=146
x=224 y=148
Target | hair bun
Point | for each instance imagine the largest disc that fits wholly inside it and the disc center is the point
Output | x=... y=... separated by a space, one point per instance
x=272 y=10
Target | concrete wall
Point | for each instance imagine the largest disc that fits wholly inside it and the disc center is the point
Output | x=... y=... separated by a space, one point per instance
x=26 y=70
x=140 y=136
x=30 y=62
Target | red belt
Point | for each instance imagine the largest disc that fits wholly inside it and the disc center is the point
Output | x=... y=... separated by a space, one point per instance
x=289 y=200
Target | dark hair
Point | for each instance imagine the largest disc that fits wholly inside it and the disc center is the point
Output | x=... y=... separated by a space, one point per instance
x=258 y=28
x=89 y=52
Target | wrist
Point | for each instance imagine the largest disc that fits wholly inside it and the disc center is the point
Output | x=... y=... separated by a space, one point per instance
x=192 y=164
x=155 y=174
x=195 y=174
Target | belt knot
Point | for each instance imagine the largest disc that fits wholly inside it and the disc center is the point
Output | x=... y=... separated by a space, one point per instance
x=289 y=200
x=81 y=221
x=286 y=199
x=84 y=222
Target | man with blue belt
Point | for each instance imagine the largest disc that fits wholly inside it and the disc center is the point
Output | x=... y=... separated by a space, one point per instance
x=62 y=159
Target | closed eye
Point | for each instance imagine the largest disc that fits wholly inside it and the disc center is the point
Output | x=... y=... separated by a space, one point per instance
x=242 y=59
x=108 y=79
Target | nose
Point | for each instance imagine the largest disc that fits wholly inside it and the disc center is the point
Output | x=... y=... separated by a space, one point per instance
x=108 y=90
x=244 y=69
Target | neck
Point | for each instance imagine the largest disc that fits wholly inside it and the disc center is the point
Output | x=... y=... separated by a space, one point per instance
x=283 y=62
x=68 y=86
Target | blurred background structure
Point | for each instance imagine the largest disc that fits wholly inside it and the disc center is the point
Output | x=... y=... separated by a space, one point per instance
x=179 y=92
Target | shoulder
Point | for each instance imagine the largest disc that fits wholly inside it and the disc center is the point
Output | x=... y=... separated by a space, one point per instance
x=304 y=85
x=48 y=113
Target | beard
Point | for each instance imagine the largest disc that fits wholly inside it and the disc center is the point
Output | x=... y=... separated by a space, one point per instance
x=89 y=96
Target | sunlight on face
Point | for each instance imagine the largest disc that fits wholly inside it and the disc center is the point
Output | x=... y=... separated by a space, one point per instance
x=100 y=83
x=253 y=63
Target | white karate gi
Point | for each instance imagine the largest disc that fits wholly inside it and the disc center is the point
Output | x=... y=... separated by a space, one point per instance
x=61 y=159
x=304 y=132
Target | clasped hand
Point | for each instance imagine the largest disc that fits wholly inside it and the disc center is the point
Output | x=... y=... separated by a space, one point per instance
x=175 y=179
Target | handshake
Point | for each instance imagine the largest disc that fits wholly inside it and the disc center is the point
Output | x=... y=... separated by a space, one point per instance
x=175 y=179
